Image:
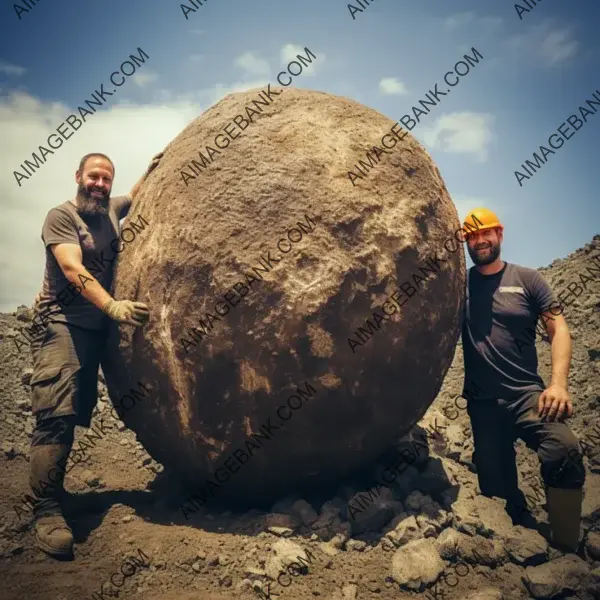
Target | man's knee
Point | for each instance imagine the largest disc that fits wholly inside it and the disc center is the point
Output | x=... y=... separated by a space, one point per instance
x=563 y=467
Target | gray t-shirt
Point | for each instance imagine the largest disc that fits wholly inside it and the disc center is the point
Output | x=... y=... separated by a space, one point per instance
x=100 y=245
x=499 y=310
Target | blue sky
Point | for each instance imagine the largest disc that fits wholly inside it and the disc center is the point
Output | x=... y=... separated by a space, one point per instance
x=536 y=71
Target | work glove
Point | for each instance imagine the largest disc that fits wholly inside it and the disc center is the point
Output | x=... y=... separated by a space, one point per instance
x=128 y=312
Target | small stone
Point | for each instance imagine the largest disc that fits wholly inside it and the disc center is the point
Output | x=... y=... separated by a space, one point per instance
x=92 y=480
x=224 y=560
x=417 y=565
x=280 y=531
x=281 y=520
x=24 y=314
x=127 y=519
x=26 y=376
x=9 y=450
x=556 y=577
x=593 y=545
x=357 y=545
x=307 y=514
x=328 y=548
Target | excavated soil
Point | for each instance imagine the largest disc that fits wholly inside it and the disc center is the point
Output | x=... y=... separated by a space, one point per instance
x=429 y=535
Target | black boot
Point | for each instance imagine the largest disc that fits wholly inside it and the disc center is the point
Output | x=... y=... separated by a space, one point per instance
x=52 y=533
x=564 y=514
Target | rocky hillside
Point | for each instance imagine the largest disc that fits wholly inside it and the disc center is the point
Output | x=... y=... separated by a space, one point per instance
x=419 y=529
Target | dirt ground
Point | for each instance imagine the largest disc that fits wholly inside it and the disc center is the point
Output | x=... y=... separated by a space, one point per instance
x=123 y=514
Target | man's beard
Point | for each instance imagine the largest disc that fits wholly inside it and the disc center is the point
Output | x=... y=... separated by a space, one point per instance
x=481 y=259
x=91 y=207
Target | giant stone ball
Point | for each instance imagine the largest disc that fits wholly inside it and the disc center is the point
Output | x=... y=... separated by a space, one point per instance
x=320 y=252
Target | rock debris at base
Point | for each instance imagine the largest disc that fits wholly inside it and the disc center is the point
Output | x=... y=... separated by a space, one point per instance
x=429 y=535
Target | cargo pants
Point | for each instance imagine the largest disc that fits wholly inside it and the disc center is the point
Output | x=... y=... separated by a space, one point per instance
x=64 y=383
x=497 y=424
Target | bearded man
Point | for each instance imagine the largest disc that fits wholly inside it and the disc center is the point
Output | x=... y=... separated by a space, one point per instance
x=504 y=300
x=76 y=309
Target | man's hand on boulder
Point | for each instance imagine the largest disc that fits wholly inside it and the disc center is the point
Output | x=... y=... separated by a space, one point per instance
x=154 y=163
x=127 y=311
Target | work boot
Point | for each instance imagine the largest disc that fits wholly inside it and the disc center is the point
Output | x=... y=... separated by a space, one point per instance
x=54 y=536
x=564 y=514
x=46 y=477
x=524 y=518
x=518 y=511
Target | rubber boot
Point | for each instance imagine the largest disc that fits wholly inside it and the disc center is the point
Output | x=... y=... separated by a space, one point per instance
x=52 y=533
x=564 y=514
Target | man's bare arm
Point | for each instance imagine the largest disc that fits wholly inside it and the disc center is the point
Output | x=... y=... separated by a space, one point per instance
x=560 y=338
x=69 y=258
x=554 y=403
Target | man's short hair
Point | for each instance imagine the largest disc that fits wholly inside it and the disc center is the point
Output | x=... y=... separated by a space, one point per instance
x=91 y=155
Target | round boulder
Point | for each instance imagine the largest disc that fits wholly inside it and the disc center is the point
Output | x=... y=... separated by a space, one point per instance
x=305 y=306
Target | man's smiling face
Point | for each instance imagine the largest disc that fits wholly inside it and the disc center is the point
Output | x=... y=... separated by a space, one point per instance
x=94 y=184
x=484 y=245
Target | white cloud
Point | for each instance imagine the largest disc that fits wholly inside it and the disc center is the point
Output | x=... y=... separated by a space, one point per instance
x=558 y=46
x=253 y=65
x=459 y=20
x=391 y=86
x=463 y=19
x=143 y=79
x=219 y=90
x=461 y=133
x=129 y=134
x=290 y=52
x=549 y=45
x=10 y=69
x=465 y=204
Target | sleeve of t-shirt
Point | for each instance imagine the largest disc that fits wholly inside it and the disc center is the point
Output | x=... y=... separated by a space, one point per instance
x=122 y=205
x=58 y=228
x=541 y=293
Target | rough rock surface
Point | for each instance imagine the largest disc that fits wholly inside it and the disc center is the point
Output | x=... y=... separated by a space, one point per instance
x=564 y=574
x=417 y=565
x=286 y=179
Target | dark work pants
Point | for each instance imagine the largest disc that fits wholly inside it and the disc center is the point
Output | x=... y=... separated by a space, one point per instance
x=64 y=393
x=65 y=379
x=496 y=426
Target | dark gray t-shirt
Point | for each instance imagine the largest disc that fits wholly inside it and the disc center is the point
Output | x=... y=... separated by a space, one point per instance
x=499 y=310
x=64 y=225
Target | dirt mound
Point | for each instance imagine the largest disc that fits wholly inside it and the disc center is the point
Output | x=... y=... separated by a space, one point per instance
x=293 y=313
x=373 y=551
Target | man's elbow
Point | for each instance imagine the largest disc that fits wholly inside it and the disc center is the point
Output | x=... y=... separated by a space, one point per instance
x=560 y=333
x=72 y=269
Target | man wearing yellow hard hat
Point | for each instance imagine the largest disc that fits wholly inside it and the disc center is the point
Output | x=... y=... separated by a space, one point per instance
x=504 y=300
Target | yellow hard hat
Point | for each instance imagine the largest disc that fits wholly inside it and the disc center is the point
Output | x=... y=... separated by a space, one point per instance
x=481 y=218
